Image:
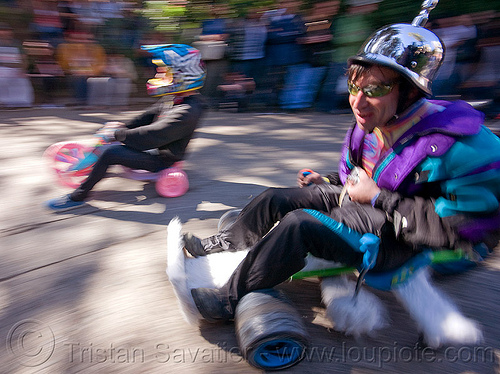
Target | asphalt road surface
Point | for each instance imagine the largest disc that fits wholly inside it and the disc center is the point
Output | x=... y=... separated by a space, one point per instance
x=86 y=291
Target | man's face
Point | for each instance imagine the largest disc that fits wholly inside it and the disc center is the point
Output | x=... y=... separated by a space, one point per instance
x=371 y=112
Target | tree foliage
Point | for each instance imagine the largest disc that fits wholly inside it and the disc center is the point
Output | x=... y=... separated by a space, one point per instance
x=172 y=16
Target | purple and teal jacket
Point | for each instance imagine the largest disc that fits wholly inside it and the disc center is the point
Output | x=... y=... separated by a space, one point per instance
x=445 y=169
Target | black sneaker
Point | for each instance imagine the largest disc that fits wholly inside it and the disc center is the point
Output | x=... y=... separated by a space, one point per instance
x=212 y=305
x=193 y=245
x=202 y=247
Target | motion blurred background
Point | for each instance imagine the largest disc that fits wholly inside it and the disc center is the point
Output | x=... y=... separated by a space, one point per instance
x=285 y=55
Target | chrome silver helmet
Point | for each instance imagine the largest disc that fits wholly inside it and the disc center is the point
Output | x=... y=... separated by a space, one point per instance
x=410 y=49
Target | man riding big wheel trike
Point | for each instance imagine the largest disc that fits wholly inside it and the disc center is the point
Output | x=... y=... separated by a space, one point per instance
x=416 y=178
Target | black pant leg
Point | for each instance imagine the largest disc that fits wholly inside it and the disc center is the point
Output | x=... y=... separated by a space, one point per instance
x=117 y=155
x=261 y=214
x=281 y=253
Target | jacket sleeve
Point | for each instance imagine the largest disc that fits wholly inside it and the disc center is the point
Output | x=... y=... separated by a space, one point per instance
x=170 y=126
x=145 y=118
x=416 y=221
x=333 y=178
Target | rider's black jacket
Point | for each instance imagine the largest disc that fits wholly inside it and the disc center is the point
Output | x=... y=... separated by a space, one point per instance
x=165 y=127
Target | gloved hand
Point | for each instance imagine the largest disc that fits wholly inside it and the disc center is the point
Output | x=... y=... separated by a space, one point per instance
x=108 y=135
x=107 y=132
x=369 y=245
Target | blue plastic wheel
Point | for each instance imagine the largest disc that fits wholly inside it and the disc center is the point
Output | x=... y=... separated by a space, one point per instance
x=277 y=353
x=270 y=332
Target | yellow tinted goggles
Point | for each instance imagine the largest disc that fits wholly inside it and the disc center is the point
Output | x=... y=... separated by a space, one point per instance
x=372 y=90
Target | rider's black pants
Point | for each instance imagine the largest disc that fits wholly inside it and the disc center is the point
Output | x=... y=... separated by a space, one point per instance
x=118 y=155
x=277 y=254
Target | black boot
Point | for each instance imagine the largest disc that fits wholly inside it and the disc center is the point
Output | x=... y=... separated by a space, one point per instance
x=212 y=305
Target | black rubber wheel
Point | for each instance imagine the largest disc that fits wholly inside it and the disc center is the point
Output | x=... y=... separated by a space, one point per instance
x=228 y=218
x=270 y=331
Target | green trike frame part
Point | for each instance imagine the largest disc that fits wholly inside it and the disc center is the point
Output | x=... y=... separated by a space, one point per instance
x=388 y=280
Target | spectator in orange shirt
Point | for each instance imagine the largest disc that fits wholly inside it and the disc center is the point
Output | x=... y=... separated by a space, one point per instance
x=81 y=58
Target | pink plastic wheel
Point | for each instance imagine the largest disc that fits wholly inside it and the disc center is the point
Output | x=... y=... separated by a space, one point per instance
x=66 y=159
x=172 y=182
x=51 y=151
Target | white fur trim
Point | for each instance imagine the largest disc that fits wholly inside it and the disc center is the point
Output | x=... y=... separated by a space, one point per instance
x=315 y=263
x=186 y=273
x=364 y=315
x=436 y=316
x=176 y=272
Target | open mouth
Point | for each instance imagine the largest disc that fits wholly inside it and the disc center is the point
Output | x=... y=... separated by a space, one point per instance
x=363 y=115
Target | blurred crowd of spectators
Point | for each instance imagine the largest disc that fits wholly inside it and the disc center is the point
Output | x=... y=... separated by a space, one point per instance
x=77 y=52
x=295 y=59
x=291 y=56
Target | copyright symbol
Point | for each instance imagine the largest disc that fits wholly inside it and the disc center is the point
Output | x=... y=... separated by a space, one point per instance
x=31 y=342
